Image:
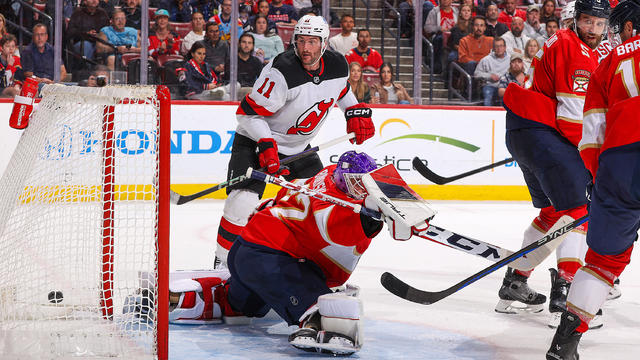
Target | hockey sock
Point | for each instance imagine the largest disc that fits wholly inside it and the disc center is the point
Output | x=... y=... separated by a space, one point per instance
x=227 y=233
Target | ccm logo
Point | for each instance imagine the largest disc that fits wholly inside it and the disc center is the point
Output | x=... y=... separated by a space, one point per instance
x=358 y=112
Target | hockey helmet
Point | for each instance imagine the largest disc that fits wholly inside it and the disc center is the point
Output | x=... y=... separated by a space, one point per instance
x=348 y=173
x=627 y=10
x=313 y=26
x=568 y=12
x=597 y=8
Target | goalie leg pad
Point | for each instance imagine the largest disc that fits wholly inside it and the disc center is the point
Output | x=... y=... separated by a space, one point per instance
x=196 y=303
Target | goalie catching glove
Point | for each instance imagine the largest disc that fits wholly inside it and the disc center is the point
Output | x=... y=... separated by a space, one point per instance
x=268 y=157
x=359 y=122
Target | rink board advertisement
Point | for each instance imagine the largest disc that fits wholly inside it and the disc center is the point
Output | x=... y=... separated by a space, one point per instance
x=452 y=140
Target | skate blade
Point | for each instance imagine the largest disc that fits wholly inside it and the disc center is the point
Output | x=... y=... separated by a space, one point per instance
x=596 y=323
x=508 y=307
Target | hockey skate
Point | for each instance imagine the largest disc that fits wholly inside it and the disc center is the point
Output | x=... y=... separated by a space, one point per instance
x=310 y=338
x=515 y=288
x=565 y=342
x=558 y=302
x=615 y=291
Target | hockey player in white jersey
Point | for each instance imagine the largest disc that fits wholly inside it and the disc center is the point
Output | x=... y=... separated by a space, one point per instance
x=288 y=104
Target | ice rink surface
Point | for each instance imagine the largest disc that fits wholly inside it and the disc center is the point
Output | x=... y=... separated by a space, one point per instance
x=462 y=326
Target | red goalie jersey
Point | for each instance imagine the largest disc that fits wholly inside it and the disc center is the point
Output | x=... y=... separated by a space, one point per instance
x=331 y=236
x=610 y=116
x=557 y=83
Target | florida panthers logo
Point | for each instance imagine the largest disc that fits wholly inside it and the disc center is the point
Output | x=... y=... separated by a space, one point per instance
x=309 y=120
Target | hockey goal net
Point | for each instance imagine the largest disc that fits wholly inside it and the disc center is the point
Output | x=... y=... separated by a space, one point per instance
x=84 y=226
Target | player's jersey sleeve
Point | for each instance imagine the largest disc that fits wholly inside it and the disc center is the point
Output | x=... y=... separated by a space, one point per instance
x=268 y=95
x=346 y=98
x=594 y=121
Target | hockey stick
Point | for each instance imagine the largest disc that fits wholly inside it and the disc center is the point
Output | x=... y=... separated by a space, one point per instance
x=433 y=233
x=407 y=292
x=182 y=199
x=424 y=170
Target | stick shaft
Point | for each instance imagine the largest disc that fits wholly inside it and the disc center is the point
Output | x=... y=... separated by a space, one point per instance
x=182 y=199
x=424 y=170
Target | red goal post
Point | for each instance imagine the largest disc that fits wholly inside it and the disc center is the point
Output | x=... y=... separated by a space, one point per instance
x=84 y=227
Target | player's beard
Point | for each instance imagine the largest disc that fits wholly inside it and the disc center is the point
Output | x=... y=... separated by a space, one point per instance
x=592 y=40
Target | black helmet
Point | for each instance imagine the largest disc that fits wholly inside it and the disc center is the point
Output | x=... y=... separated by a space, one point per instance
x=627 y=10
x=597 y=8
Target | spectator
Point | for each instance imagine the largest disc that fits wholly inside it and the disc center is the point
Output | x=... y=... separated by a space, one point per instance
x=85 y=23
x=159 y=4
x=359 y=88
x=474 y=47
x=107 y=6
x=207 y=8
x=510 y=11
x=124 y=39
x=347 y=39
x=531 y=49
x=180 y=11
x=300 y=4
x=515 y=74
x=491 y=68
x=196 y=33
x=442 y=18
x=515 y=39
x=162 y=39
x=494 y=27
x=316 y=9
x=67 y=8
x=280 y=12
x=263 y=9
x=200 y=78
x=532 y=27
x=223 y=19
x=387 y=91
x=551 y=26
x=133 y=13
x=249 y=67
x=3 y=26
x=243 y=16
x=462 y=29
x=267 y=45
x=217 y=50
x=99 y=77
x=366 y=56
x=37 y=57
x=548 y=11
x=407 y=15
x=11 y=74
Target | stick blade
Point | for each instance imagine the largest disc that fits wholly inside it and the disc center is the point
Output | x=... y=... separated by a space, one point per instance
x=174 y=197
x=424 y=170
x=407 y=292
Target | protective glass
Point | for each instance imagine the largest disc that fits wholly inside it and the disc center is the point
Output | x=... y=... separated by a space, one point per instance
x=355 y=186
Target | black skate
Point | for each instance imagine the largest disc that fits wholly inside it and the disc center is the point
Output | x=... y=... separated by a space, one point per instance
x=565 y=342
x=310 y=338
x=515 y=288
x=558 y=302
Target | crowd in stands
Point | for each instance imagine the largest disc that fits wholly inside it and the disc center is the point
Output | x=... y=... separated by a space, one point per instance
x=189 y=50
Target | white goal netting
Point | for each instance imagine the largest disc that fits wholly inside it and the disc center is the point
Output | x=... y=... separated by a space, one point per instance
x=79 y=226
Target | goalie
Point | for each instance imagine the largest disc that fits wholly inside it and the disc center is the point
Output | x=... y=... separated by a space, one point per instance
x=292 y=251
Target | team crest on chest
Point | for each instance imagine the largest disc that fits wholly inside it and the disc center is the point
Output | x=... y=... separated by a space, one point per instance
x=310 y=118
x=316 y=79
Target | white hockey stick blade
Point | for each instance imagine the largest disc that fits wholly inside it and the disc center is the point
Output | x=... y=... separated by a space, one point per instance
x=537 y=256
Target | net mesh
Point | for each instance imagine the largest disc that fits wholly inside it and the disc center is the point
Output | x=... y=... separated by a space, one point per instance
x=79 y=225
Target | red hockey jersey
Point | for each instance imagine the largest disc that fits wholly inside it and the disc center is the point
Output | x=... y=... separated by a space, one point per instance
x=557 y=83
x=610 y=117
x=307 y=228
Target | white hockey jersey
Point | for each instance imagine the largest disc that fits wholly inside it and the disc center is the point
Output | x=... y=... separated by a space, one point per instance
x=289 y=104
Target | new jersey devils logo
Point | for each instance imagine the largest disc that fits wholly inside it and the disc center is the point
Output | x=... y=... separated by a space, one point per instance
x=309 y=120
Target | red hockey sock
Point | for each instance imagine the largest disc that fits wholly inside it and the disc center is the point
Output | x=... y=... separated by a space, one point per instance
x=567 y=269
x=227 y=233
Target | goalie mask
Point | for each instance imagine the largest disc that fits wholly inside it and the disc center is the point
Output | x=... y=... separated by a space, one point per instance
x=348 y=173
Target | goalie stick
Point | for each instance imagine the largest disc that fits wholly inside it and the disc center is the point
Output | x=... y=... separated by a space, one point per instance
x=407 y=292
x=433 y=233
x=424 y=170
x=182 y=199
